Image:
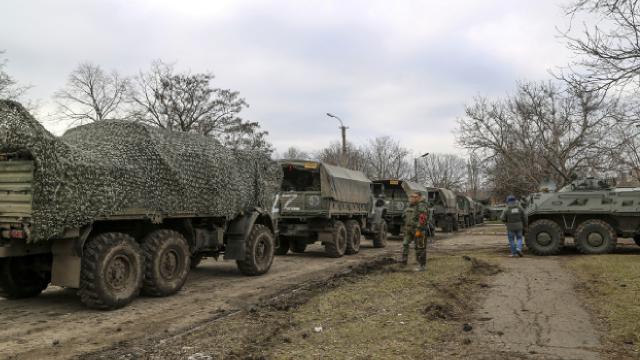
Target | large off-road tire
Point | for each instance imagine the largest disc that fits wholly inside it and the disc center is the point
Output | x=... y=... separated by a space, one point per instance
x=380 y=237
x=22 y=277
x=544 y=237
x=354 y=236
x=455 y=225
x=338 y=246
x=167 y=261
x=299 y=245
x=395 y=230
x=111 y=272
x=595 y=237
x=259 y=251
x=283 y=246
x=636 y=238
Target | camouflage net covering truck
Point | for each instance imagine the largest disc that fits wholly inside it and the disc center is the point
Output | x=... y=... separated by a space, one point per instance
x=595 y=214
x=115 y=208
x=397 y=199
x=445 y=210
x=325 y=203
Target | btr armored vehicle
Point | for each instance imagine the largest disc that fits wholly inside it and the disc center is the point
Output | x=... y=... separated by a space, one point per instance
x=114 y=208
x=397 y=198
x=325 y=203
x=591 y=211
x=445 y=209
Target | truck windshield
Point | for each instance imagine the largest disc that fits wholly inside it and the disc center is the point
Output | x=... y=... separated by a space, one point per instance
x=299 y=179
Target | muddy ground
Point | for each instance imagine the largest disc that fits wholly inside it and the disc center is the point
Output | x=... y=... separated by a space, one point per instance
x=529 y=310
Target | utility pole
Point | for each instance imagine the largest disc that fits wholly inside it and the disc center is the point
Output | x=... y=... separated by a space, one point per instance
x=415 y=166
x=343 y=129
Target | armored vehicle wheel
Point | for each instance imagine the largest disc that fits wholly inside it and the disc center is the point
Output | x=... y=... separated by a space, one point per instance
x=338 y=246
x=259 y=251
x=595 y=237
x=299 y=245
x=112 y=271
x=354 y=235
x=637 y=239
x=545 y=237
x=195 y=260
x=380 y=238
x=167 y=262
x=22 y=277
x=283 y=247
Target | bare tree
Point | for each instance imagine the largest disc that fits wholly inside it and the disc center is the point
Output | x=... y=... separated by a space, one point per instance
x=609 y=49
x=474 y=175
x=295 y=153
x=355 y=158
x=91 y=94
x=443 y=171
x=541 y=132
x=9 y=88
x=386 y=159
x=187 y=102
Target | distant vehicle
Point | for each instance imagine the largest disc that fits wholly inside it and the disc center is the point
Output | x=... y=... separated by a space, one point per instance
x=397 y=198
x=325 y=203
x=592 y=211
x=445 y=209
x=465 y=211
x=479 y=210
x=494 y=212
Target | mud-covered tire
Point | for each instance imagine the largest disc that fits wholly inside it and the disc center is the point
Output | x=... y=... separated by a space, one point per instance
x=595 y=237
x=544 y=237
x=284 y=243
x=338 y=246
x=259 y=251
x=354 y=236
x=111 y=271
x=380 y=237
x=167 y=261
x=21 y=277
x=196 y=260
x=299 y=245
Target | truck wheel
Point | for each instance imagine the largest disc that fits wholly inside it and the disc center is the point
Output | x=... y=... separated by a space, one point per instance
x=259 y=251
x=545 y=237
x=454 y=224
x=167 y=262
x=283 y=247
x=20 y=277
x=354 y=235
x=111 y=271
x=595 y=237
x=636 y=238
x=299 y=245
x=380 y=238
x=338 y=246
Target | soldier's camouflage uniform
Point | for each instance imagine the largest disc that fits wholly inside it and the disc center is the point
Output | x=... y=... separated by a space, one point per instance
x=416 y=218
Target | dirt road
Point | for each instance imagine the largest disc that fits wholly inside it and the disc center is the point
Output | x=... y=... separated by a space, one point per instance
x=57 y=325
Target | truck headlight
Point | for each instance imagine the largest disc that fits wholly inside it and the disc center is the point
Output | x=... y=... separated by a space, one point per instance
x=313 y=200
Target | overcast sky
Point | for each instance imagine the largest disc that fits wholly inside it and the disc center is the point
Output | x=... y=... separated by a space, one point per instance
x=398 y=68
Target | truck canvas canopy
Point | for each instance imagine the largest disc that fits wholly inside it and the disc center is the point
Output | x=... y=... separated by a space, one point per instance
x=345 y=185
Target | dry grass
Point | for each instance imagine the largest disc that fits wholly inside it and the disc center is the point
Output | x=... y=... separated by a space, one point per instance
x=398 y=314
x=611 y=284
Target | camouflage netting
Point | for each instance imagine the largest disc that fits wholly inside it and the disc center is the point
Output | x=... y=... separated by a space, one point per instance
x=108 y=167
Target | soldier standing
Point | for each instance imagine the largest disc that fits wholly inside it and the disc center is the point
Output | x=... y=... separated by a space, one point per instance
x=415 y=229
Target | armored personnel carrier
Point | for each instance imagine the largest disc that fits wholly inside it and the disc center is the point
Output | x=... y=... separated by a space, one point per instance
x=593 y=212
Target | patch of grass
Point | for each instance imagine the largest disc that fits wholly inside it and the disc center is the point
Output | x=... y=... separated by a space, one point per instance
x=612 y=287
x=397 y=314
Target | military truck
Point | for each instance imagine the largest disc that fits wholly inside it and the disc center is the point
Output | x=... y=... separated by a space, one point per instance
x=465 y=211
x=397 y=198
x=322 y=202
x=116 y=208
x=594 y=213
x=494 y=212
x=445 y=209
x=479 y=210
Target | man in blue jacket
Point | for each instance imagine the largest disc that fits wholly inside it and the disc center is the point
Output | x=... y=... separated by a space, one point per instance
x=516 y=220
